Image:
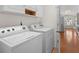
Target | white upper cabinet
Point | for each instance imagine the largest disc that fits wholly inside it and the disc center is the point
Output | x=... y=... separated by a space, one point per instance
x=20 y=9
x=15 y=8
x=12 y=8
x=40 y=10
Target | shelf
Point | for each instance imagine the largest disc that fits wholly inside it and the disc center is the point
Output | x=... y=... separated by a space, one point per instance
x=18 y=13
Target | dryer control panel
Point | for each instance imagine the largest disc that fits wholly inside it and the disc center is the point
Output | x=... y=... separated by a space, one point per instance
x=36 y=26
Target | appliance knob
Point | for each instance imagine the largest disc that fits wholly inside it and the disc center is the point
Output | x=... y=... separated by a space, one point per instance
x=13 y=29
x=8 y=30
x=3 y=31
x=23 y=28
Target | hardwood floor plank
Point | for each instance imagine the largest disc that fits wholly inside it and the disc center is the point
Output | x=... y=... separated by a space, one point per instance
x=69 y=42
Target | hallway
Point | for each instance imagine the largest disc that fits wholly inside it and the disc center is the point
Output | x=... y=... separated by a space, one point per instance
x=69 y=42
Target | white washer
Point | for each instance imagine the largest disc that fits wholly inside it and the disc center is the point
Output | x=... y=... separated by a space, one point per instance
x=48 y=36
x=19 y=39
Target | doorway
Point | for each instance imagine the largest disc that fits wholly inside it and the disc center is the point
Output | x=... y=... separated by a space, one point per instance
x=69 y=42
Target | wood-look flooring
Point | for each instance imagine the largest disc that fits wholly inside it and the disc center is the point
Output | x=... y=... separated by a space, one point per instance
x=69 y=42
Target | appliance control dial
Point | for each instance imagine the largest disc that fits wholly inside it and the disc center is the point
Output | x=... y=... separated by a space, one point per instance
x=13 y=29
x=23 y=28
x=8 y=30
x=3 y=31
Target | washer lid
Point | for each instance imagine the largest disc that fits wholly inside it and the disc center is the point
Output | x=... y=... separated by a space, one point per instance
x=20 y=38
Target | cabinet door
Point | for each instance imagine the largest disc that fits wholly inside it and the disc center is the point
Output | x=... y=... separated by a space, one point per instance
x=40 y=10
x=15 y=8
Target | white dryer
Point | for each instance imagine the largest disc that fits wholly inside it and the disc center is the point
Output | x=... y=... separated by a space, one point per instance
x=18 y=39
x=48 y=36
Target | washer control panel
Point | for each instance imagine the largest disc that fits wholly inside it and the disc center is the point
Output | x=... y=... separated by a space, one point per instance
x=11 y=30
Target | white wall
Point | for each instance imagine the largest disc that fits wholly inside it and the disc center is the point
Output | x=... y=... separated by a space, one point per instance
x=11 y=19
x=50 y=18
